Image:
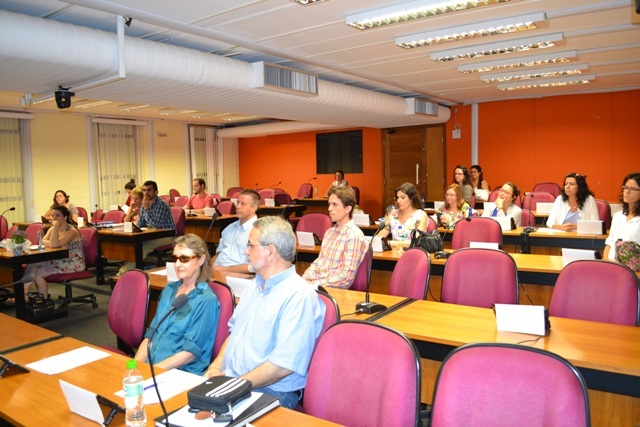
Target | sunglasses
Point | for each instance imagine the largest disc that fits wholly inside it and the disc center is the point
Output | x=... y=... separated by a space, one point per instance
x=183 y=258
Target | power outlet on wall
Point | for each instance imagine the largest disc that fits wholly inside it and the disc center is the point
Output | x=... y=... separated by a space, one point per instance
x=456 y=134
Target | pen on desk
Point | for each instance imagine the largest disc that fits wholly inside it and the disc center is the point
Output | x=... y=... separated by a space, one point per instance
x=150 y=386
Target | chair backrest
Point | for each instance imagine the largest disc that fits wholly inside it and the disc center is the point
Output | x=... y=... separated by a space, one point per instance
x=127 y=312
x=527 y=219
x=97 y=216
x=181 y=201
x=604 y=212
x=362 y=390
x=549 y=187
x=282 y=199
x=476 y=229
x=480 y=277
x=331 y=313
x=494 y=195
x=410 y=277
x=356 y=191
x=173 y=193
x=115 y=216
x=316 y=223
x=233 y=190
x=600 y=291
x=363 y=274
x=305 y=190
x=165 y=199
x=227 y=304
x=226 y=208
x=90 y=245
x=32 y=232
x=532 y=199
x=216 y=198
x=431 y=224
x=493 y=384
x=267 y=193
x=4 y=227
x=83 y=213
x=178 y=219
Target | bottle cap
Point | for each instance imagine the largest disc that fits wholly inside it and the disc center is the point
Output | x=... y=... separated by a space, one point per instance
x=132 y=364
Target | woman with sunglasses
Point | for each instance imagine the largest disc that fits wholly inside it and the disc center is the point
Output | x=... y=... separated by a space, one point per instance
x=576 y=202
x=186 y=340
x=625 y=224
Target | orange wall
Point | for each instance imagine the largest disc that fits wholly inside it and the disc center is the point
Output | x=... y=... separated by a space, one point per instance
x=290 y=158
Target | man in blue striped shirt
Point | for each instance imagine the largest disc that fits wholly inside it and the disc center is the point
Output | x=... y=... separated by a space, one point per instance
x=276 y=323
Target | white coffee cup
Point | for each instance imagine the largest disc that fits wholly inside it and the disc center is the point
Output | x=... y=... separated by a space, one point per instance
x=80 y=221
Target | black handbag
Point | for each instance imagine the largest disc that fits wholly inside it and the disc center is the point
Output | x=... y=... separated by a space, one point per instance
x=219 y=394
x=430 y=242
x=38 y=306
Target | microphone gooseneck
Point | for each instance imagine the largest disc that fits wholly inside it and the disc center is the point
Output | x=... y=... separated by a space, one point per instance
x=368 y=306
x=215 y=216
x=178 y=303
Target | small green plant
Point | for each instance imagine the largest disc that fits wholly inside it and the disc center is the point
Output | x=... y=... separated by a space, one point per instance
x=19 y=237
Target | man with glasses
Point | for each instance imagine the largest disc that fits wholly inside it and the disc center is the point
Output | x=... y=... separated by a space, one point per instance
x=275 y=326
x=505 y=205
x=230 y=256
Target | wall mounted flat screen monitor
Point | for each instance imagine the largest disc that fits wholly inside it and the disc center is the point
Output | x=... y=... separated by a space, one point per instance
x=339 y=150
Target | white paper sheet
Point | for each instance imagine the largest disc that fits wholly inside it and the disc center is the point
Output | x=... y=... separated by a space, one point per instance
x=238 y=285
x=305 y=238
x=68 y=360
x=484 y=245
x=525 y=319
x=162 y=272
x=170 y=383
x=82 y=402
x=361 y=219
x=172 y=276
x=570 y=255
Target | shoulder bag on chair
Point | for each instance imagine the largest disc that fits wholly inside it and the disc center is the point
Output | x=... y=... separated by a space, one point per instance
x=430 y=242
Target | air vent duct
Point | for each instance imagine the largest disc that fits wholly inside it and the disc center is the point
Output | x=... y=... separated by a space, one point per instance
x=421 y=106
x=277 y=78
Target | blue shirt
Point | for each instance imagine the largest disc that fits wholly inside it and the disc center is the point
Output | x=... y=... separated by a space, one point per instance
x=192 y=328
x=233 y=243
x=278 y=324
x=157 y=216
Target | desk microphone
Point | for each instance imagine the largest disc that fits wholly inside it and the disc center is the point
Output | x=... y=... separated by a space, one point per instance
x=368 y=307
x=312 y=179
x=215 y=216
x=12 y=208
x=279 y=182
x=180 y=301
x=25 y=281
x=443 y=254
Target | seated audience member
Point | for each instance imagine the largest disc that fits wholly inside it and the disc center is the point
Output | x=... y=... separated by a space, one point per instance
x=339 y=180
x=625 y=225
x=480 y=187
x=462 y=178
x=343 y=246
x=60 y=198
x=128 y=187
x=576 y=202
x=62 y=234
x=231 y=255
x=135 y=203
x=408 y=213
x=199 y=199
x=455 y=207
x=275 y=325
x=505 y=205
x=186 y=340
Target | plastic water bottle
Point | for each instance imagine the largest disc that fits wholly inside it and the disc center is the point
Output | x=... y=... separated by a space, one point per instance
x=40 y=240
x=132 y=383
x=315 y=192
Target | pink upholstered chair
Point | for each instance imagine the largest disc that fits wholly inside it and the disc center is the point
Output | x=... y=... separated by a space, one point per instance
x=356 y=191
x=410 y=277
x=4 y=227
x=267 y=193
x=499 y=385
x=127 y=312
x=90 y=246
x=532 y=199
x=305 y=191
x=527 y=219
x=233 y=190
x=216 y=198
x=181 y=201
x=173 y=193
x=32 y=232
x=604 y=212
x=480 y=277
x=476 y=229
x=227 y=305
x=431 y=225
x=282 y=199
x=316 y=223
x=226 y=208
x=97 y=216
x=601 y=291
x=83 y=213
x=363 y=275
x=166 y=199
x=549 y=187
x=374 y=388
x=116 y=216
x=331 y=313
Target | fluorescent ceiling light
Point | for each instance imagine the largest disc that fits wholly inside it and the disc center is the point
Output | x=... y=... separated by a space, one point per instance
x=508 y=25
x=90 y=104
x=202 y=115
x=564 y=81
x=521 y=61
x=307 y=2
x=240 y=118
x=536 y=73
x=170 y=112
x=412 y=10
x=133 y=107
x=497 y=48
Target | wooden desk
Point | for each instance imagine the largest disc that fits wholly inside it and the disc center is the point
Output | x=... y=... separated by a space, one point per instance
x=36 y=399
x=283 y=211
x=11 y=271
x=607 y=355
x=199 y=225
x=18 y=334
x=314 y=205
x=115 y=244
x=347 y=300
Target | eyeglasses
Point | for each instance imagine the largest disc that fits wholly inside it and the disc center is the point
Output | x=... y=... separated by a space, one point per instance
x=626 y=188
x=183 y=258
x=249 y=245
x=505 y=192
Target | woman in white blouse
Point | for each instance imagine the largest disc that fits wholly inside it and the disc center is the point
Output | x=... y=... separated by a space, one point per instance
x=505 y=205
x=625 y=224
x=576 y=202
